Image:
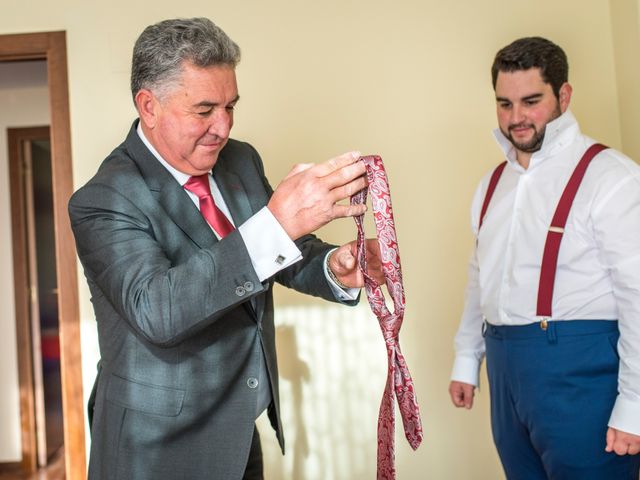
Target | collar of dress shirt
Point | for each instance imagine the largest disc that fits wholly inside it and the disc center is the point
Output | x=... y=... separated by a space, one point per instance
x=558 y=135
x=181 y=178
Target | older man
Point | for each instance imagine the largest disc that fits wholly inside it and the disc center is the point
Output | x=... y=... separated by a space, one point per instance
x=182 y=238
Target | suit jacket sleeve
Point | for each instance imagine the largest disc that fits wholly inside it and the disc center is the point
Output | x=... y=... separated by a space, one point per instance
x=163 y=271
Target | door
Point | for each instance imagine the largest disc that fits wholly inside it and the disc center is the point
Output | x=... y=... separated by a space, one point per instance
x=51 y=47
x=36 y=285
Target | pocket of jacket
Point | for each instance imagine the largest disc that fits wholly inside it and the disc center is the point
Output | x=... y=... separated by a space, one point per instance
x=146 y=398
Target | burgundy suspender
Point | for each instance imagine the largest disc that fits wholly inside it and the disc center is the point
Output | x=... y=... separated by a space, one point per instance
x=556 y=229
x=495 y=176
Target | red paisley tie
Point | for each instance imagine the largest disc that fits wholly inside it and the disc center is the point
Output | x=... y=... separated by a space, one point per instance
x=199 y=185
x=398 y=377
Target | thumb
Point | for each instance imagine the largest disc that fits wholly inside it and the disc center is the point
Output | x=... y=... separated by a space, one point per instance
x=611 y=436
x=347 y=261
x=468 y=399
x=344 y=261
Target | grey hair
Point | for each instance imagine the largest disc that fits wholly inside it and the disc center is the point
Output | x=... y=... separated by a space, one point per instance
x=161 y=49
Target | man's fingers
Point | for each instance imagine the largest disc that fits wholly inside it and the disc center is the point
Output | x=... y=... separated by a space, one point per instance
x=455 y=391
x=634 y=449
x=341 y=211
x=457 y=397
x=346 y=190
x=345 y=175
x=468 y=397
x=620 y=448
x=336 y=163
x=622 y=443
x=461 y=394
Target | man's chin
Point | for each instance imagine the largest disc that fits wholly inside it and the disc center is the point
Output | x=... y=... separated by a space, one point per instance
x=531 y=146
x=528 y=148
x=204 y=163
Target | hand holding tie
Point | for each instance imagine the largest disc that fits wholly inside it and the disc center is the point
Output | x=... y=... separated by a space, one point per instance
x=308 y=196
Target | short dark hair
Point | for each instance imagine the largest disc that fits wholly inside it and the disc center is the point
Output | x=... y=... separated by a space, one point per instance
x=161 y=49
x=533 y=52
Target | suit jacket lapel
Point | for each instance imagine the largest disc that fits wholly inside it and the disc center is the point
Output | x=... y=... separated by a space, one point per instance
x=233 y=192
x=169 y=193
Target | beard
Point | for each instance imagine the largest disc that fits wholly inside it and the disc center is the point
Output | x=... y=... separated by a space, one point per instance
x=535 y=143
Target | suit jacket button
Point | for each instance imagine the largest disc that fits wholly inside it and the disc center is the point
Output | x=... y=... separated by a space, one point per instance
x=240 y=291
x=252 y=382
x=248 y=286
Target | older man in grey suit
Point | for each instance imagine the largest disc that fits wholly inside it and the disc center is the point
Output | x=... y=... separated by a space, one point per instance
x=185 y=310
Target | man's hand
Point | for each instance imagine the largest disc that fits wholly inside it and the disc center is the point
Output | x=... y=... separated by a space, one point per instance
x=622 y=443
x=344 y=265
x=461 y=394
x=308 y=197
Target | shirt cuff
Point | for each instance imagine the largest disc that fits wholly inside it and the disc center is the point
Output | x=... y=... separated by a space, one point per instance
x=269 y=246
x=344 y=294
x=466 y=370
x=625 y=415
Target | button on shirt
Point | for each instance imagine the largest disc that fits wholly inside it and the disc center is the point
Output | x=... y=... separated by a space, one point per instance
x=598 y=274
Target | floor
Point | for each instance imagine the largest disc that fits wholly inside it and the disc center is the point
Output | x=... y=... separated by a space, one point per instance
x=53 y=471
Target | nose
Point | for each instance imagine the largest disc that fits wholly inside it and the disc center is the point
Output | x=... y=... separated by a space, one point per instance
x=517 y=114
x=222 y=121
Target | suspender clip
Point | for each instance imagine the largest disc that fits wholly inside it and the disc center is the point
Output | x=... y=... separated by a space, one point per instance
x=556 y=229
x=544 y=323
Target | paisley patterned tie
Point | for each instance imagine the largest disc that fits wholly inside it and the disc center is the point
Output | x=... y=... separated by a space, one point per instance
x=398 y=377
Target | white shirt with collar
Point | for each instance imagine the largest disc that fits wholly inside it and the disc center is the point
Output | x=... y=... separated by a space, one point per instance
x=598 y=274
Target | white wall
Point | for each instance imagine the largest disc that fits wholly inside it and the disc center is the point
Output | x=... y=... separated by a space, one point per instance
x=408 y=80
x=24 y=102
x=625 y=17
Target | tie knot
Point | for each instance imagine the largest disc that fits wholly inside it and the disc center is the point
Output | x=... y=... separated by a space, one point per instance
x=199 y=185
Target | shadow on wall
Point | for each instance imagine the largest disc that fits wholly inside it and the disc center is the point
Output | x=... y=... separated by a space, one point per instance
x=332 y=364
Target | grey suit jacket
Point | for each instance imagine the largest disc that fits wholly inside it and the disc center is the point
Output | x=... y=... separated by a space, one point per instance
x=180 y=343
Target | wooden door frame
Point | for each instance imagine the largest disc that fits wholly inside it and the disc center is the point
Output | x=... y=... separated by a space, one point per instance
x=21 y=280
x=51 y=46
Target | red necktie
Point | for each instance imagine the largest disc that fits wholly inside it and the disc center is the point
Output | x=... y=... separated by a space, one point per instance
x=398 y=377
x=212 y=214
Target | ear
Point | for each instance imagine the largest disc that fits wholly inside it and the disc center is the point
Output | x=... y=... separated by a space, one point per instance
x=148 y=107
x=564 y=96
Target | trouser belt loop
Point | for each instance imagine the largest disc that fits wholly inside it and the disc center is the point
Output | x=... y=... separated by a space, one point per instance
x=551 y=333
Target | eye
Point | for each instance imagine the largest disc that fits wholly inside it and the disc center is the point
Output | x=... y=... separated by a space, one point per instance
x=529 y=103
x=504 y=105
x=205 y=113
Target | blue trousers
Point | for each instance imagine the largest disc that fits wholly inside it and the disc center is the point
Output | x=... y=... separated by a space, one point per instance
x=552 y=393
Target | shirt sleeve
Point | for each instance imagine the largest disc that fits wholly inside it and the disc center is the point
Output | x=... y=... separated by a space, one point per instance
x=269 y=246
x=616 y=218
x=469 y=342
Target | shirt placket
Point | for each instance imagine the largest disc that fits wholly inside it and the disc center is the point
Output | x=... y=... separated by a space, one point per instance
x=511 y=249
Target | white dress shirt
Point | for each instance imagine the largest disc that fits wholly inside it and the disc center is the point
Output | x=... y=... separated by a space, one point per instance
x=598 y=274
